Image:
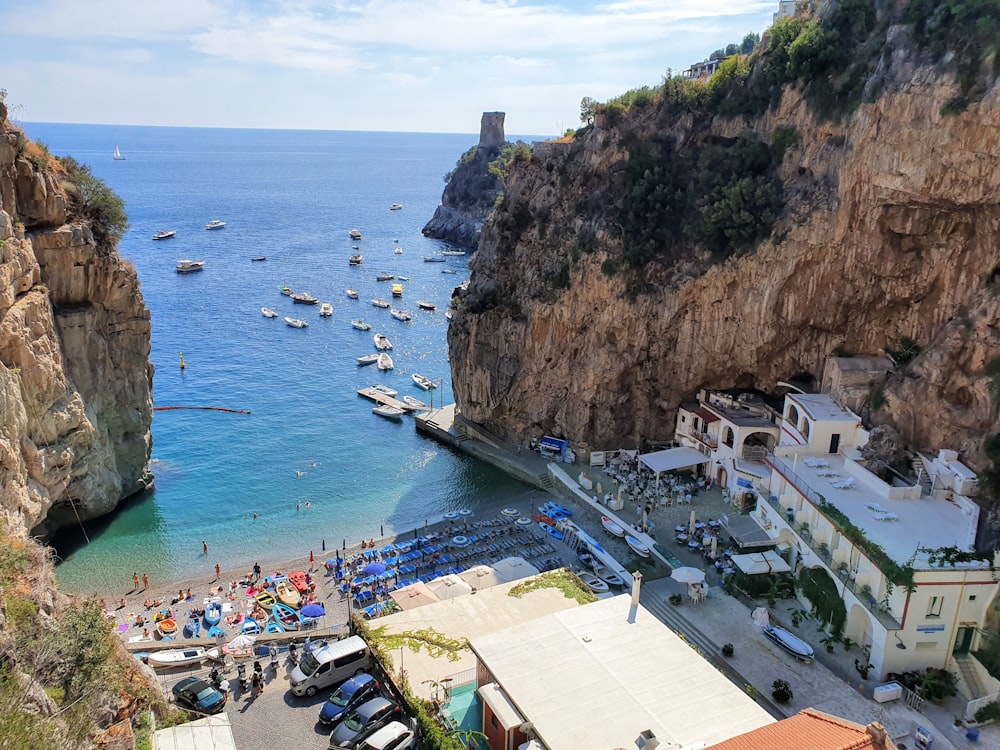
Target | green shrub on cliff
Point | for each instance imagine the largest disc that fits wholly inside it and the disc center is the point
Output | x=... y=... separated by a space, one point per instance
x=99 y=203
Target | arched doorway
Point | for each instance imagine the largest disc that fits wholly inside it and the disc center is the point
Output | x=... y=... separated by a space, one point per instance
x=721 y=476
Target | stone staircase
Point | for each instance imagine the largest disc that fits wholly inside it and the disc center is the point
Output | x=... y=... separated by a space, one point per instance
x=967 y=671
x=920 y=472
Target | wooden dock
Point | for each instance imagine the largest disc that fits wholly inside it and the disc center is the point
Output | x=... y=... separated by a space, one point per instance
x=381 y=398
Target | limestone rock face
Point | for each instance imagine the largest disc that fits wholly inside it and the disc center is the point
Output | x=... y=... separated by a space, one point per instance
x=75 y=377
x=889 y=230
x=472 y=190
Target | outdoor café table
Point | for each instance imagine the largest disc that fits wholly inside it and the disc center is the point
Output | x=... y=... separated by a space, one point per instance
x=694 y=544
x=681 y=538
x=714 y=524
x=699 y=525
x=680 y=528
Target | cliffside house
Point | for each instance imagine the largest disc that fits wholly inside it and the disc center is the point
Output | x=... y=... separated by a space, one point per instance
x=705 y=69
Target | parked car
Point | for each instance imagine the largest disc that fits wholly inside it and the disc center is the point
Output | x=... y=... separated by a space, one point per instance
x=364 y=721
x=393 y=736
x=197 y=695
x=347 y=697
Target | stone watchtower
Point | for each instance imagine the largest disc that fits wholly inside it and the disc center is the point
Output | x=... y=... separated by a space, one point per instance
x=491 y=133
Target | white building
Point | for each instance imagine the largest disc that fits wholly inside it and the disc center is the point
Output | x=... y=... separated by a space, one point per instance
x=898 y=553
x=785 y=8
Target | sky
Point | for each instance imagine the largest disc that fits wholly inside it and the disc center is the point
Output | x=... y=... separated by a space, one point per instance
x=389 y=65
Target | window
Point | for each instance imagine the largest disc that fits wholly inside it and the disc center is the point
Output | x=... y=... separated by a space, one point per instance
x=728 y=437
x=793 y=415
x=804 y=429
x=493 y=721
x=972 y=598
x=934 y=606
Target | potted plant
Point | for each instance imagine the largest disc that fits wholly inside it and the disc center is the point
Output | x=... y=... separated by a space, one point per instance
x=781 y=691
x=727 y=649
x=675 y=599
x=829 y=641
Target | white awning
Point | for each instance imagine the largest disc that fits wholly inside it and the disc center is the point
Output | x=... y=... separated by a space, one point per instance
x=672 y=458
x=758 y=563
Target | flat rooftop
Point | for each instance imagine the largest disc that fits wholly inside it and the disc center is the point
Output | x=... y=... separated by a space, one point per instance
x=822 y=407
x=742 y=417
x=926 y=522
x=594 y=677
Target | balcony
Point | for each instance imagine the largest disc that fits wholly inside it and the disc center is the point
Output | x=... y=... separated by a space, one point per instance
x=703 y=437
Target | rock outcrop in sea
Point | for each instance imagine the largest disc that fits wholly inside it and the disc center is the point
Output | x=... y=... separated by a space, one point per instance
x=75 y=375
x=703 y=238
x=472 y=190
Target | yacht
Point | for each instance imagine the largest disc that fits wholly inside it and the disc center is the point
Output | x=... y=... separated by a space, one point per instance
x=453 y=252
x=384 y=277
x=164 y=235
x=215 y=224
x=189 y=266
x=425 y=305
x=397 y=290
x=360 y=325
x=326 y=310
x=401 y=315
x=355 y=234
x=382 y=342
x=352 y=293
x=398 y=250
x=395 y=206
x=379 y=302
x=355 y=259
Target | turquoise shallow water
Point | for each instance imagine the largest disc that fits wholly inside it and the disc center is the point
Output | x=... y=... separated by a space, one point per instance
x=292 y=196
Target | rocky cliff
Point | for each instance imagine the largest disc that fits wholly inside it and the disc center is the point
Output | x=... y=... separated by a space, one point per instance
x=75 y=376
x=885 y=228
x=471 y=191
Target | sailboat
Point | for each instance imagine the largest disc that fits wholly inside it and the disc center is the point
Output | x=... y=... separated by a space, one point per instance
x=118 y=154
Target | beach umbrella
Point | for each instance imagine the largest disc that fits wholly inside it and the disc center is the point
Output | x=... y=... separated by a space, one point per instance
x=715 y=546
x=523 y=521
x=691 y=524
x=687 y=574
x=464 y=513
x=313 y=610
x=460 y=541
x=510 y=512
x=242 y=641
x=451 y=515
x=374 y=569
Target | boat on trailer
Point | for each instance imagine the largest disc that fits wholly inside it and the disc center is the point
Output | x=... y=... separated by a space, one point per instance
x=790 y=643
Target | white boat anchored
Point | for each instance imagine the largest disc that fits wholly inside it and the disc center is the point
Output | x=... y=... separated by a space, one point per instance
x=355 y=259
x=453 y=252
x=395 y=206
x=367 y=359
x=189 y=266
x=433 y=259
x=425 y=305
x=449 y=314
x=326 y=309
x=382 y=342
x=384 y=361
x=384 y=277
x=611 y=527
x=296 y=322
x=638 y=547
x=388 y=411
x=790 y=643
x=118 y=154
x=398 y=251
x=360 y=325
x=385 y=390
x=355 y=234
x=379 y=302
x=215 y=224
x=401 y=315
x=422 y=382
x=267 y=312
x=414 y=403
x=352 y=293
x=166 y=234
x=593 y=583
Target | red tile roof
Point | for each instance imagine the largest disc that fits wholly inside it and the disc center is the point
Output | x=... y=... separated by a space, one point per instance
x=810 y=729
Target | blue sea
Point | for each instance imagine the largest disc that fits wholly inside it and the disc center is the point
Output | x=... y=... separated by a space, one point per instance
x=291 y=196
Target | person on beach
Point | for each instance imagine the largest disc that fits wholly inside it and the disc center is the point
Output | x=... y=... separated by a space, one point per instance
x=204 y=547
x=145 y=634
x=145 y=581
x=256 y=571
x=189 y=597
x=218 y=572
x=135 y=581
x=122 y=604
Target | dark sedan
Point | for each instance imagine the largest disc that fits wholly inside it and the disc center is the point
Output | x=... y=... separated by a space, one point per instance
x=347 y=697
x=197 y=695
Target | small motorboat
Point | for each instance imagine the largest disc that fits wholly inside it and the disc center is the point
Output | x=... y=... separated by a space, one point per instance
x=267 y=312
x=448 y=314
x=397 y=290
x=352 y=293
x=425 y=305
x=303 y=298
x=298 y=579
x=287 y=616
x=593 y=583
x=414 y=403
x=638 y=547
x=432 y=259
x=552 y=531
x=258 y=258
x=790 y=643
x=215 y=224
x=367 y=359
x=388 y=411
x=611 y=527
x=355 y=259
x=607 y=575
x=192 y=628
x=453 y=252
x=385 y=390
x=422 y=382
x=273 y=626
x=385 y=277
x=296 y=323
x=398 y=251
x=265 y=599
x=189 y=266
x=326 y=310
x=177 y=657
x=585 y=557
x=401 y=315
x=403 y=278
x=213 y=613
x=167 y=626
x=287 y=594
x=382 y=342
x=286 y=290
x=379 y=302
x=164 y=235
x=395 y=206
x=448 y=270
x=355 y=234
x=384 y=361
x=360 y=325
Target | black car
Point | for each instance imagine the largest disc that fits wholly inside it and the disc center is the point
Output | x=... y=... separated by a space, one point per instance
x=347 y=697
x=197 y=695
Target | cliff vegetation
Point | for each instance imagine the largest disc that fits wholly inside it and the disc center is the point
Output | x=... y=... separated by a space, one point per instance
x=834 y=191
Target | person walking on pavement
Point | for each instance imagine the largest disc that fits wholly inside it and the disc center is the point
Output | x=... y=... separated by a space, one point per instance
x=256 y=685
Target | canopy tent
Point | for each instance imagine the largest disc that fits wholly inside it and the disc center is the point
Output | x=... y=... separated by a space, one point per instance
x=413 y=596
x=671 y=459
x=758 y=563
x=448 y=586
x=550 y=446
x=513 y=569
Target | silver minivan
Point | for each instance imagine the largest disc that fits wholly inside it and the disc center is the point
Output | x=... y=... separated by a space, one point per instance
x=332 y=663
